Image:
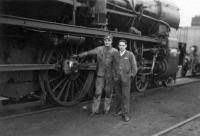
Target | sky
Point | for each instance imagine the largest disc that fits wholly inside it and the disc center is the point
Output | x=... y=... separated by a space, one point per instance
x=188 y=9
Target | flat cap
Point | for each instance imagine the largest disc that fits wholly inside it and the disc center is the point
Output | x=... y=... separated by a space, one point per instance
x=109 y=36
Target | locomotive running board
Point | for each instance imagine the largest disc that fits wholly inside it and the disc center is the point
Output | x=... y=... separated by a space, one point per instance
x=72 y=29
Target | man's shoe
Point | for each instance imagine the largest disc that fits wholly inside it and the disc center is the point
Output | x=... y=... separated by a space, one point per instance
x=126 y=118
x=94 y=113
x=118 y=113
x=106 y=112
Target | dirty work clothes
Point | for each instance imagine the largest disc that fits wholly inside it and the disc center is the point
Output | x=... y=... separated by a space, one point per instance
x=106 y=84
x=125 y=67
x=105 y=57
x=105 y=63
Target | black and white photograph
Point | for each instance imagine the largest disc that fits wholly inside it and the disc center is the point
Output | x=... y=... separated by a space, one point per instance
x=99 y=68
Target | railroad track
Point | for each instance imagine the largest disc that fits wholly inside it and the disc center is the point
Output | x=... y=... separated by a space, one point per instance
x=29 y=113
x=49 y=108
x=177 y=126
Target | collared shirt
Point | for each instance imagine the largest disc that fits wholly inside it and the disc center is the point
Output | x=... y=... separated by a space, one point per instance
x=122 y=52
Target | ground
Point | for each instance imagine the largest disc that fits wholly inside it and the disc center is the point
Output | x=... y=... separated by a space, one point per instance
x=190 y=129
x=151 y=113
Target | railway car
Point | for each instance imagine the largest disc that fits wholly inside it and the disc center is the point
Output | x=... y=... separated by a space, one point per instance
x=39 y=38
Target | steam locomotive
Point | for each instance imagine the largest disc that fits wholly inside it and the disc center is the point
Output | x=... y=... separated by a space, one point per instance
x=39 y=38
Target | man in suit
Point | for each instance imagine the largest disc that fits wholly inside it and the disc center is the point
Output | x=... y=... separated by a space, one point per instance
x=105 y=57
x=125 y=68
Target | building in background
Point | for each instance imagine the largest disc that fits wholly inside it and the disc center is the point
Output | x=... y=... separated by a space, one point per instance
x=188 y=35
x=196 y=21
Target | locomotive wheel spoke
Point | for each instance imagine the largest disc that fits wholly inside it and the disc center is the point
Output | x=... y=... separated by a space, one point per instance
x=58 y=84
x=67 y=91
x=65 y=88
x=62 y=90
x=77 y=87
x=55 y=78
x=140 y=86
x=79 y=81
x=72 y=90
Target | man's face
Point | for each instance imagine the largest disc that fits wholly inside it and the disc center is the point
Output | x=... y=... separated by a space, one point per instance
x=108 y=42
x=122 y=46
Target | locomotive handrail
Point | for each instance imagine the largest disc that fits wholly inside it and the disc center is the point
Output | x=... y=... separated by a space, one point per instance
x=157 y=20
x=66 y=28
x=128 y=10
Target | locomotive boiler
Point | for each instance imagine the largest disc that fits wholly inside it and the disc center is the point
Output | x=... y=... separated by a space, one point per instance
x=39 y=38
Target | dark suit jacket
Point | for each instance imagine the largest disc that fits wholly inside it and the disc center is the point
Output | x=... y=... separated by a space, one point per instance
x=125 y=65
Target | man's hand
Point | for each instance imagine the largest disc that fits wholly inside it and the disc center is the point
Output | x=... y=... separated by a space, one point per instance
x=132 y=76
x=75 y=56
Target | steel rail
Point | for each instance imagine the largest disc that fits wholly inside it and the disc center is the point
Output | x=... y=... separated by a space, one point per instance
x=177 y=125
x=29 y=113
x=72 y=29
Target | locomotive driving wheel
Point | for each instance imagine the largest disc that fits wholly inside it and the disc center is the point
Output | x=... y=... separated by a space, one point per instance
x=140 y=82
x=65 y=86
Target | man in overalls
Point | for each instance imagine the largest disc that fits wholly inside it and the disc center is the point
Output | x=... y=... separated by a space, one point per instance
x=105 y=56
x=126 y=67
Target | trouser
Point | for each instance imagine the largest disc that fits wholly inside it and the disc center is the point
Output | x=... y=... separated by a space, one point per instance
x=106 y=84
x=122 y=90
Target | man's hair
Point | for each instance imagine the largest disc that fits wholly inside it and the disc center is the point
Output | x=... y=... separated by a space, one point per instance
x=123 y=40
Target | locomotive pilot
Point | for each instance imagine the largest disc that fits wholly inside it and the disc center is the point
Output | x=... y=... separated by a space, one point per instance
x=104 y=80
x=125 y=68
